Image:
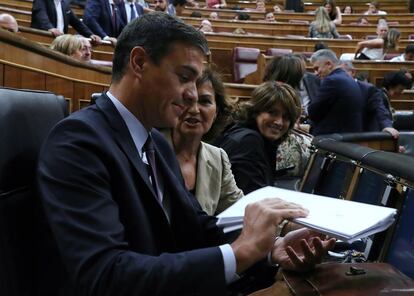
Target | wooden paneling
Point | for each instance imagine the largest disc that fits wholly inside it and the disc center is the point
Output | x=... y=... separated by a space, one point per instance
x=1 y=75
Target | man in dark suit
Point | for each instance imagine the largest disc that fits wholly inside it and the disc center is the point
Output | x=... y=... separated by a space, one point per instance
x=56 y=16
x=105 y=18
x=114 y=195
x=376 y=117
x=338 y=106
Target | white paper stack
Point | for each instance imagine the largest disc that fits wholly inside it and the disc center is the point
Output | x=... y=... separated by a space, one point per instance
x=342 y=219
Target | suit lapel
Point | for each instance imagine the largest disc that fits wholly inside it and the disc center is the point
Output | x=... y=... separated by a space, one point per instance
x=124 y=138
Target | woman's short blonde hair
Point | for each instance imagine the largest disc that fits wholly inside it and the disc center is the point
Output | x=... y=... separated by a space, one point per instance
x=67 y=44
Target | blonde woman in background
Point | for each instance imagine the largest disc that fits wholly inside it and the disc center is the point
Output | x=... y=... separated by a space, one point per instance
x=322 y=26
x=69 y=45
x=377 y=48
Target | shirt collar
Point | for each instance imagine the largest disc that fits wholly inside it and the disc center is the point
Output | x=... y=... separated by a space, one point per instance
x=138 y=132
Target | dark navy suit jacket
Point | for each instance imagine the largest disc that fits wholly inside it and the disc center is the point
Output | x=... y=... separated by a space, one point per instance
x=98 y=17
x=44 y=17
x=338 y=106
x=112 y=234
x=377 y=115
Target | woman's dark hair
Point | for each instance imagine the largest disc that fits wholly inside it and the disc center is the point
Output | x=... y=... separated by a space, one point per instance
x=332 y=14
x=224 y=108
x=288 y=68
x=264 y=99
x=350 y=6
x=396 y=78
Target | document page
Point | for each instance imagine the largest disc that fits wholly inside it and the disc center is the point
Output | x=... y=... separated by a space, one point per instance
x=346 y=220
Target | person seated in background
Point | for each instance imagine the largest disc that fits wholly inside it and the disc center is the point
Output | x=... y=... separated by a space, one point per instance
x=242 y=16
x=205 y=168
x=322 y=26
x=56 y=16
x=293 y=152
x=196 y=14
x=239 y=31
x=376 y=49
x=374 y=8
x=408 y=55
x=105 y=18
x=382 y=29
x=176 y=7
x=261 y=124
x=213 y=16
x=260 y=6
x=86 y=49
x=206 y=26
x=338 y=106
x=362 y=21
x=277 y=8
x=216 y=3
x=161 y=5
x=270 y=17
x=334 y=12
x=320 y=45
x=69 y=45
x=376 y=113
x=347 y=9
x=132 y=9
x=8 y=22
x=393 y=85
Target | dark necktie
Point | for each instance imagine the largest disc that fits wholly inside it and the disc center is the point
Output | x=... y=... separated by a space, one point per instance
x=114 y=20
x=133 y=15
x=152 y=168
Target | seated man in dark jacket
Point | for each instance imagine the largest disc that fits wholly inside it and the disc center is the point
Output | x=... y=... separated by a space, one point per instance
x=56 y=16
x=338 y=106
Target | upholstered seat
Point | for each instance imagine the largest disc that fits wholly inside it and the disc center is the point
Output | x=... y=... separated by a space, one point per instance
x=275 y=52
x=25 y=120
x=244 y=62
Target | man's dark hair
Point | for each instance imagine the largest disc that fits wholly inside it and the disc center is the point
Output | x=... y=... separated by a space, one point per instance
x=320 y=45
x=196 y=14
x=156 y=32
x=243 y=16
x=179 y=2
x=409 y=48
x=396 y=78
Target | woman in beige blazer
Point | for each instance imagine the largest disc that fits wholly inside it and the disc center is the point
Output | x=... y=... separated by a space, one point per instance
x=206 y=169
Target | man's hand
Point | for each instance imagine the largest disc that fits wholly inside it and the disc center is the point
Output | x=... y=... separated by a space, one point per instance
x=394 y=133
x=95 y=39
x=259 y=228
x=301 y=250
x=55 y=32
x=112 y=40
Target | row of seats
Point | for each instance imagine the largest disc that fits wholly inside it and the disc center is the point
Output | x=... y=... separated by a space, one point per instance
x=245 y=60
x=341 y=169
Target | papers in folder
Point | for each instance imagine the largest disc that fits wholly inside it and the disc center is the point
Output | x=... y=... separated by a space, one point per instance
x=342 y=219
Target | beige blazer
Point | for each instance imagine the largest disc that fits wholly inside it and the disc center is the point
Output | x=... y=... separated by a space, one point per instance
x=216 y=188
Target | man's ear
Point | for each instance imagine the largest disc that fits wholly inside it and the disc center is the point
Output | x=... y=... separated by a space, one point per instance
x=137 y=59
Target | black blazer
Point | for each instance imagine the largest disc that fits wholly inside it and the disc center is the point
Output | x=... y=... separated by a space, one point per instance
x=44 y=17
x=252 y=157
x=338 y=107
x=98 y=17
x=377 y=114
x=113 y=236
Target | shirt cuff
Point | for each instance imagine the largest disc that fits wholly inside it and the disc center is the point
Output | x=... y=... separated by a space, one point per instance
x=229 y=263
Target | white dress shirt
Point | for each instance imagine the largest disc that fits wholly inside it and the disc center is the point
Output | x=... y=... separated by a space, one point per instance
x=139 y=135
x=59 y=14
